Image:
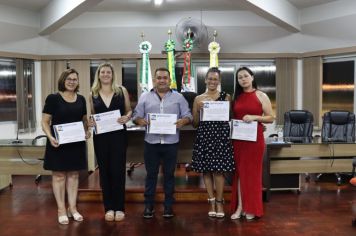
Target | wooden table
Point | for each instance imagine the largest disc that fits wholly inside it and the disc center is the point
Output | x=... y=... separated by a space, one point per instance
x=25 y=158
x=290 y=158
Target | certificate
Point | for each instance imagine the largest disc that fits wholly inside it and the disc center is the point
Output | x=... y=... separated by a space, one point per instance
x=215 y=111
x=244 y=131
x=107 y=122
x=161 y=123
x=69 y=132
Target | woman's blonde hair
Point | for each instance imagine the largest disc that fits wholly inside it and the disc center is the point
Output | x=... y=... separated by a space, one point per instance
x=97 y=84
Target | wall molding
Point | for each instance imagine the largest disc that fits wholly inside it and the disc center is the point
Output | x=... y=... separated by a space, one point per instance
x=326 y=52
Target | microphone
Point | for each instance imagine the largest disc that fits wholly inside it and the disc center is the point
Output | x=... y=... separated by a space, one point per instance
x=17 y=141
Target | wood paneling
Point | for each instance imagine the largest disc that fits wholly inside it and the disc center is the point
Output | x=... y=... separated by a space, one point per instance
x=286 y=86
x=312 y=87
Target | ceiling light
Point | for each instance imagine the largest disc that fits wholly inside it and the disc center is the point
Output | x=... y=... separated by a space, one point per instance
x=158 y=2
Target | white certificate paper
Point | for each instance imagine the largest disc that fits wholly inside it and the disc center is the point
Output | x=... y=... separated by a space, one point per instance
x=107 y=122
x=244 y=131
x=215 y=111
x=69 y=132
x=161 y=123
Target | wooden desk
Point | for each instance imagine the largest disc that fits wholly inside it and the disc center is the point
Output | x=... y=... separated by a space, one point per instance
x=21 y=159
x=12 y=164
x=313 y=157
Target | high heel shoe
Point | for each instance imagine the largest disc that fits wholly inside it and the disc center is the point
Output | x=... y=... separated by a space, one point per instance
x=213 y=212
x=76 y=216
x=237 y=214
x=220 y=214
x=250 y=216
x=63 y=220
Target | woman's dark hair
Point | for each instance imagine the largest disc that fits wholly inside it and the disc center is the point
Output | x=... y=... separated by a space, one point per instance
x=63 y=77
x=212 y=70
x=238 y=88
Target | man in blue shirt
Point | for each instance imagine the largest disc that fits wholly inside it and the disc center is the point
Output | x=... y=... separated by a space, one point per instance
x=161 y=147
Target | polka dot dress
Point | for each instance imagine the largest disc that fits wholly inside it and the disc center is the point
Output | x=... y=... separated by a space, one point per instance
x=212 y=151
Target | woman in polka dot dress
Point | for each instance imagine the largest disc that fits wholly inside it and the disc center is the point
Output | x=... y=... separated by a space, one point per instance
x=212 y=152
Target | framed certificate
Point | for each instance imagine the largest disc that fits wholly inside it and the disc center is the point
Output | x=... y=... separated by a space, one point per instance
x=215 y=111
x=69 y=132
x=107 y=122
x=161 y=123
x=241 y=130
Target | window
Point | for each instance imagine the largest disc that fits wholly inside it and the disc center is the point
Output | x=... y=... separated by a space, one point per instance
x=8 y=90
x=338 y=85
x=129 y=80
x=265 y=76
x=264 y=71
x=17 y=102
x=227 y=77
x=93 y=67
x=29 y=85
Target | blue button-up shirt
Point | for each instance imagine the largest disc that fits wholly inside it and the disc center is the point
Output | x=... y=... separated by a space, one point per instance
x=172 y=103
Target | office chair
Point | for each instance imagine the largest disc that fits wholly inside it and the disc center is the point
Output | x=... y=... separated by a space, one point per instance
x=38 y=177
x=298 y=126
x=338 y=126
x=189 y=96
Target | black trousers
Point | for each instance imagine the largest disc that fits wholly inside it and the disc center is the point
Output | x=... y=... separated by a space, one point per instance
x=110 y=152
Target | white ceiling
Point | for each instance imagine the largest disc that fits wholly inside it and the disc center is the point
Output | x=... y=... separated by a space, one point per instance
x=114 y=26
x=32 y=5
x=301 y=4
x=144 y=5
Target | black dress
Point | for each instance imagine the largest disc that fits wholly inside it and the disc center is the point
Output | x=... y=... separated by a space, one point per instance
x=70 y=156
x=212 y=151
x=110 y=152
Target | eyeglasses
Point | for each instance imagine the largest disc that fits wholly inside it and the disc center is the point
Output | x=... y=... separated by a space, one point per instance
x=72 y=80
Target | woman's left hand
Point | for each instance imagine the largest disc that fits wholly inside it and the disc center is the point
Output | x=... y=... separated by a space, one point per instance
x=123 y=119
x=248 y=118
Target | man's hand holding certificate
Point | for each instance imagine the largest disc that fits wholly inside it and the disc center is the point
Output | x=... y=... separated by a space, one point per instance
x=244 y=130
x=69 y=132
x=107 y=122
x=215 y=111
x=161 y=123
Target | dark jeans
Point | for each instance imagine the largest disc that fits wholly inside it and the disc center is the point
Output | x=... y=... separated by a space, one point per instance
x=154 y=154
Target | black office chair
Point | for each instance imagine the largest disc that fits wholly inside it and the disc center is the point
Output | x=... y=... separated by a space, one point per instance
x=338 y=126
x=189 y=96
x=38 y=177
x=298 y=126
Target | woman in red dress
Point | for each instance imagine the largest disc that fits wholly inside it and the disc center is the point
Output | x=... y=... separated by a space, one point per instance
x=249 y=105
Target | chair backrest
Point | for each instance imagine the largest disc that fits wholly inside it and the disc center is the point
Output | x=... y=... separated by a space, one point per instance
x=338 y=126
x=189 y=96
x=298 y=123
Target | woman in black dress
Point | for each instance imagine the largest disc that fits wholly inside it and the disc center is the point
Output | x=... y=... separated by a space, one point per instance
x=212 y=151
x=65 y=160
x=110 y=148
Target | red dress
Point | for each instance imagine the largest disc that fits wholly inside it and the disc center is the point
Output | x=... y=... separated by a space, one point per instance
x=248 y=158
